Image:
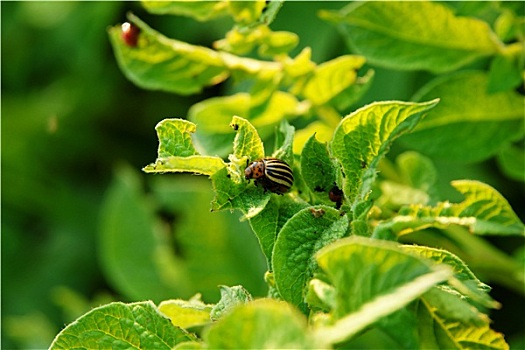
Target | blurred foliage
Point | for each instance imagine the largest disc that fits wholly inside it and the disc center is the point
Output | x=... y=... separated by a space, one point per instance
x=75 y=133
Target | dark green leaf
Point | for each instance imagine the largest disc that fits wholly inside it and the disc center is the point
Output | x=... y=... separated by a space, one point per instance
x=300 y=238
x=317 y=168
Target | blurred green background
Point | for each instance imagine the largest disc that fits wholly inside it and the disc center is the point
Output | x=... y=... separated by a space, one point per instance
x=81 y=224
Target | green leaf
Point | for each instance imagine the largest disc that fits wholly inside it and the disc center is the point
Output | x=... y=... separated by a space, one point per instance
x=415 y=35
x=317 y=168
x=200 y=10
x=176 y=152
x=121 y=326
x=159 y=63
x=322 y=132
x=505 y=72
x=246 y=12
x=412 y=183
x=278 y=43
x=210 y=254
x=284 y=143
x=262 y=324
x=363 y=138
x=354 y=92
x=135 y=255
x=230 y=298
x=186 y=314
x=417 y=170
x=175 y=138
x=300 y=66
x=247 y=143
x=321 y=295
x=305 y=233
x=484 y=211
x=454 y=306
x=511 y=160
x=442 y=333
x=468 y=124
x=230 y=195
x=241 y=41
x=332 y=78
x=268 y=222
x=372 y=279
x=271 y=11
x=213 y=116
x=440 y=256
x=202 y=165
x=464 y=282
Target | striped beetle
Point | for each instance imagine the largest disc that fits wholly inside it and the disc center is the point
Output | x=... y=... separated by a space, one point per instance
x=273 y=174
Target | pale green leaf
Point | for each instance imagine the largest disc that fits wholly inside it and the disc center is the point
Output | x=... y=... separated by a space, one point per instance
x=372 y=279
x=189 y=345
x=322 y=131
x=278 y=43
x=469 y=124
x=200 y=10
x=175 y=138
x=185 y=314
x=299 y=66
x=348 y=97
x=241 y=41
x=247 y=143
x=464 y=284
x=438 y=332
x=121 y=326
x=411 y=182
x=321 y=295
x=454 y=306
x=395 y=195
x=159 y=63
x=230 y=195
x=440 y=256
x=305 y=233
x=484 y=211
x=262 y=324
x=230 y=298
x=415 y=35
x=213 y=115
x=202 y=165
x=246 y=12
x=363 y=138
x=332 y=78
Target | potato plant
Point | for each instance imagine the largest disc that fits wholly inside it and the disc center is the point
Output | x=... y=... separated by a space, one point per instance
x=361 y=244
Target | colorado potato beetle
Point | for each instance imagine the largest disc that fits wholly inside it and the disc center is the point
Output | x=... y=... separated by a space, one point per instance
x=273 y=174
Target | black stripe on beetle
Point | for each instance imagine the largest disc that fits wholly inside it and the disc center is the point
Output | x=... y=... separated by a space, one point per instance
x=272 y=174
